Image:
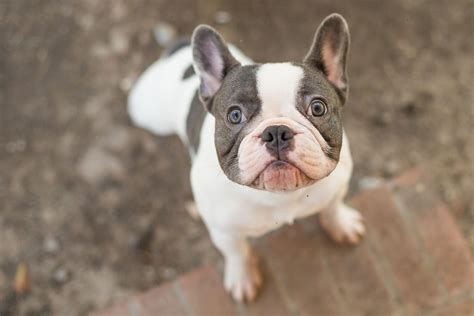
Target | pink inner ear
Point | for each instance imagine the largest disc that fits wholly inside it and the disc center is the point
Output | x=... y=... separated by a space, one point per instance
x=213 y=77
x=332 y=62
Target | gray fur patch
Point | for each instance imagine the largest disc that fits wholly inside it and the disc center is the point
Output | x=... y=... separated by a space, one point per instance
x=315 y=83
x=189 y=72
x=239 y=88
x=194 y=122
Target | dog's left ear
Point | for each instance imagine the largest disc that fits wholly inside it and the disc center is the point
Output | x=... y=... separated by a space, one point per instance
x=329 y=51
x=212 y=61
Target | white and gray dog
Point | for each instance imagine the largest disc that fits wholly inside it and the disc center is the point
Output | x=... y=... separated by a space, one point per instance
x=266 y=140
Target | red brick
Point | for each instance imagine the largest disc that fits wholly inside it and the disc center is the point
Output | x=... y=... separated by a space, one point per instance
x=442 y=237
x=465 y=308
x=396 y=246
x=358 y=281
x=296 y=260
x=203 y=291
x=161 y=301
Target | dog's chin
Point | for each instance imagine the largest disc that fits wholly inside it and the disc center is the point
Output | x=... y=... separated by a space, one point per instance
x=280 y=176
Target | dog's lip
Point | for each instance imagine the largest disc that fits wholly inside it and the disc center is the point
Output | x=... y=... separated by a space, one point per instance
x=279 y=164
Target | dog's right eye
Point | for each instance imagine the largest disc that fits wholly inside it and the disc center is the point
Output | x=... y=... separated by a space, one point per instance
x=235 y=115
x=317 y=107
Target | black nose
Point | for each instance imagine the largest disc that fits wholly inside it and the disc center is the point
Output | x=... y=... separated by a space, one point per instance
x=277 y=138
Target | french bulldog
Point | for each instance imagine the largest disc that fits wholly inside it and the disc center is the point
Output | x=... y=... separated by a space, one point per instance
x=266 y=140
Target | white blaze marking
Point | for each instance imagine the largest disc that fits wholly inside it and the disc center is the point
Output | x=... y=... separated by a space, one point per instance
x=277 y=85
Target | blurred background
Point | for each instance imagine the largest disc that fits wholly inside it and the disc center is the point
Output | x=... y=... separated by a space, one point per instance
x=95 y=208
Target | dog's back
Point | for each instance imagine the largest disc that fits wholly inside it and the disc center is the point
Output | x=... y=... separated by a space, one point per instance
x=160 y=99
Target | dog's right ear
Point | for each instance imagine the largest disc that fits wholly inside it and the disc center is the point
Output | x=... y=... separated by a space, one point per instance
x=212 y=61
x=329 y=52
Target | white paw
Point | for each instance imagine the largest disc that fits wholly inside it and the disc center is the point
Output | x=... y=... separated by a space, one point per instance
x=344 y=225
x=243 y=281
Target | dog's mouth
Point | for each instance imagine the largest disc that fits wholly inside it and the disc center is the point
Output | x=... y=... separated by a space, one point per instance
x=280 y=175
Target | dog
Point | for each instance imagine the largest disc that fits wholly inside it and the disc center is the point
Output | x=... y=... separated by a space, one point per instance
x=266 y=140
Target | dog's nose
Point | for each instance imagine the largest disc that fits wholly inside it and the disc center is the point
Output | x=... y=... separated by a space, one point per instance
x=277 y=137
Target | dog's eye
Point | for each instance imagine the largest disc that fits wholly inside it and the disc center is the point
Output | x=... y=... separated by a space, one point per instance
x=318 y=107
x=235 y=115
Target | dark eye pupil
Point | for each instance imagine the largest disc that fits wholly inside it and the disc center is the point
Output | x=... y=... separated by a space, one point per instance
x=235 y=116
x=318 y=108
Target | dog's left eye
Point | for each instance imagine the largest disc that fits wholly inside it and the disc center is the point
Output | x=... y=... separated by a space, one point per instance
x=317 y=107
x=235 y=115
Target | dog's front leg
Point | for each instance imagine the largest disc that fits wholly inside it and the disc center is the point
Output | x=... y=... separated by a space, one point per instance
x=343 y=223
x=242 y=277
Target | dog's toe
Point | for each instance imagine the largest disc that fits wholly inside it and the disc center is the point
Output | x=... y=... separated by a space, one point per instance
x=243 y=281
x=346 y=225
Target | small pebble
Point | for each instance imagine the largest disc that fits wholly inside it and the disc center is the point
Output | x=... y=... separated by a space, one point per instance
x=61 y=276
x=51 y=245
x=222 y=17
x=119 y=42
x=370 y=182
x=164 y=34
x=126 y=84
x=98 y=164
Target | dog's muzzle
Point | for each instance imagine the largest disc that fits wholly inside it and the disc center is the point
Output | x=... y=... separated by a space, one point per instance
x=281 y=154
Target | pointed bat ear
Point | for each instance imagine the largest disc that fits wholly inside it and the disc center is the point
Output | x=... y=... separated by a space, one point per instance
x=329 y=51
x=212 y=61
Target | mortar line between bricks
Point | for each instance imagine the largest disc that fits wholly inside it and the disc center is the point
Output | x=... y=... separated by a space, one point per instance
x=453 y=301
x=326 y=267
x=386 y=275
x=412 y=230
x=182 y=298
x=333 y=284
x=279 y=286
x=239 y=308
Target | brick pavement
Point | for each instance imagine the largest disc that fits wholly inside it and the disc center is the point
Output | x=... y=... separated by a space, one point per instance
x=413 y=261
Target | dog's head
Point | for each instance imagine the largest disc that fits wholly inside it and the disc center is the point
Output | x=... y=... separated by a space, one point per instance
x=278 y=125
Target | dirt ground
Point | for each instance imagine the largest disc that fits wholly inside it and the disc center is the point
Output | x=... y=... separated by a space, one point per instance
x=96 y=207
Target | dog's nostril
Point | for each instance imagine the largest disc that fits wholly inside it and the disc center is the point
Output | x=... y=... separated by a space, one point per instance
x=277 y=135
x=285 y=133
x=267 y=136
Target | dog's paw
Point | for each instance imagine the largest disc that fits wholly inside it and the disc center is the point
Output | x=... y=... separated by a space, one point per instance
x=343 y=225
x=243 y=281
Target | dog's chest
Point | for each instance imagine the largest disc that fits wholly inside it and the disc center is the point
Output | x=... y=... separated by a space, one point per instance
x=270 y=211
